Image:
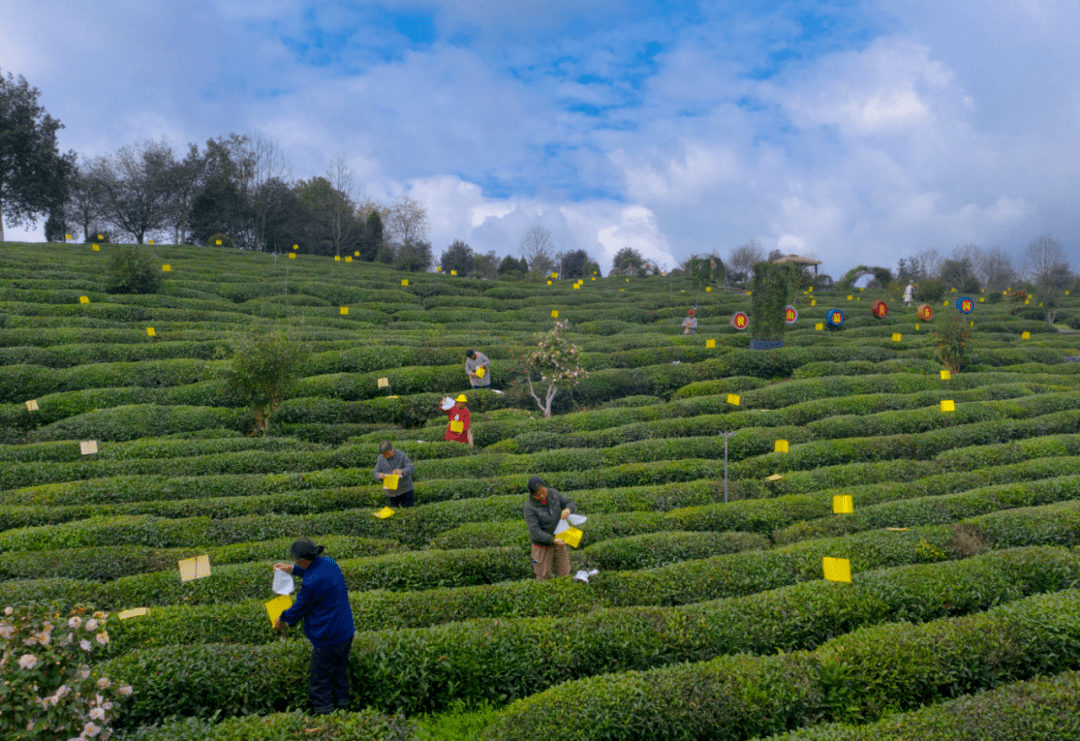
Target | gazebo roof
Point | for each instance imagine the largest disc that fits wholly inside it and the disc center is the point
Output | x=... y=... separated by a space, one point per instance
x=798 y=260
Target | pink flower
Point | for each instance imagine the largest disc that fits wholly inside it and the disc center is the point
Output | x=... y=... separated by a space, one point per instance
x=75 y=622
x=27 y=661
x=85 y=645
x=102 y=637
x=103 y=683
x=125 y=690
x=97 y=714
x=91 y=730
x=91 y=625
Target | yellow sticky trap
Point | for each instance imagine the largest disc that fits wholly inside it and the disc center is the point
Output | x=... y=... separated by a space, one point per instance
x=453 y=272
x=278 y=605
x=67 y=236
x=898 y=529
x=100 y=237
x=710 y=343
x=292 y=255
x=1025 y=336
x=749 y=293
x=622 y=289
x=150 y=331
x=194 y=568
x=810 y=289
x=296 y=247
x=944 y=303
x=858 y=298
x=594 y=278
x=627 y=280
x=733 y=399
x=836 y=569
x=96 y=248
x=571 y=536
x=1066 y=293
x=896 y=337
x=383 y=513
x=774 y=477
x=842 y=505
x=337 y=258
x=948 y=405
x=480 y=372
x=88 y=447
x=133 y=612
x=819 y=326
x=982 y=299
x=1026 y=301
x=457 y=426
x=84 y=299
x=972 y=325
x=708 y=289
x=553 y=275
x=946 y=375
x=576 y=286
x=218 y=242
x=384 y=383
x=344 y=310
x=780 y=446
x=166 y=268
x=916 y=327
x=554 y=313
x=404 y=282
x=348 y=258
x=391 y=481
x=850 y=297
x=952 y=290
x=151 y=241
x=813 y=302
x=549 y=282
x=31 y=406
x=357 y=254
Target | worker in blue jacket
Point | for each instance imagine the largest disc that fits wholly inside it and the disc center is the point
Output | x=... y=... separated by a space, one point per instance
x=323 y=605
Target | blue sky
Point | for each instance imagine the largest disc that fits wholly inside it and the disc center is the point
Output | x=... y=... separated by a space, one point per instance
x=857 y=131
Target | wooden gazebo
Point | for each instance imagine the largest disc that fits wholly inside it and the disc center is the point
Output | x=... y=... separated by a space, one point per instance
x=798 y=260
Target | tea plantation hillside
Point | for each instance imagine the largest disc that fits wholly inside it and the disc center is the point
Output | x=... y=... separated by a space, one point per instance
x=706 y=620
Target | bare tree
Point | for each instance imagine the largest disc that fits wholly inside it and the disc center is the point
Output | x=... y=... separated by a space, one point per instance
x=265 y=162
x=1045 y=262
x=537 y=248
x=84 y=200
x=340 y=218
x=743 y=258
x=995 y=269
x=929 y=263
x=135 y=187
x=406 y=221
x=187 y=178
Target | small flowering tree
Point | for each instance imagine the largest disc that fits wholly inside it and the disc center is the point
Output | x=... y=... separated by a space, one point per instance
x=47 y=691
x=555 y=361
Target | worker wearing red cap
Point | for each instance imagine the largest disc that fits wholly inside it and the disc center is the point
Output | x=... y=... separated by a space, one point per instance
x=689 y=324
x=458 y=428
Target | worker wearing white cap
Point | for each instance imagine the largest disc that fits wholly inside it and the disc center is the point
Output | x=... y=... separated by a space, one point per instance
x=458 y=427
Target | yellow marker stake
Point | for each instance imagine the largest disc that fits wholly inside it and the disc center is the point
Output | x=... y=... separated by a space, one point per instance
x=348 y=258
x=946 y=375
x=88 y=448
x=391 y=482
x=780 y=446
x=841 y=504
x=218 y=242
x=576 y=286
x=67 y=236
x=1025 y=336
x=916 y=327
x=84 y=299
x=453 y=272
x=819 y=326
x=133 y=612
x=774 y=477
x=96 y=248
x=810 y=289
x=952 y=290
x=278 y=605
x=384 y=383
x=166 y=268
x=708 y=289
x=554 y=313
x=813 y=302
x=571 y=536
x=549 y=282
x=733 y=399
x=836 y=569
x=982 y=299
x=344 y=310
x=896 y=337
x=194 y=568
x=296 y=247
x=850 y=297
x=357 y=254
x=948 y=405
x=100 y=237
x=151 y=241
x=404 y=282
x=150 y=331
x=594 y=278
x=337 y=258
x=292 y=255
x=554 y=274
x=31 y=406
x=627 y=280
x=710 y=343
x=383 y=513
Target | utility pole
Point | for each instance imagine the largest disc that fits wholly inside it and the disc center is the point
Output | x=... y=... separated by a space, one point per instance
x=726 y=436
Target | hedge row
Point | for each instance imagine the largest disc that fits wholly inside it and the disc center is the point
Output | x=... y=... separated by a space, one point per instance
x=684 y=583
x=1040 y=709
x=222 y=441
x=365 y=725
x=896 y=666
x=499 y=660
x=113 y=562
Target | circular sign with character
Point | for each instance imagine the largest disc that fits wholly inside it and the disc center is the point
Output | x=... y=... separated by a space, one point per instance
x=879 y=309
x=790 y=314
x=834 y=319
x=925 y=312
x=740 y=321
x=964 y=305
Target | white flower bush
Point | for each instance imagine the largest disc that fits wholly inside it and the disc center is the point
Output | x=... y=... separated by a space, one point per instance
x=47 y=690
x=555 y=362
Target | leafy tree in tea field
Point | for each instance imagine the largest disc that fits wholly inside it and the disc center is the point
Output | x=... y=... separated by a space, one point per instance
x=952 y=337
x=132 y=271
x=264 y=367
x=556 y=360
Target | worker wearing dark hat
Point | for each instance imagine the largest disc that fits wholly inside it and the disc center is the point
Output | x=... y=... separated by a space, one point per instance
x=323 y=605
x=478 y=369
x=458 y=428
x=689 y=324
x=543 y=510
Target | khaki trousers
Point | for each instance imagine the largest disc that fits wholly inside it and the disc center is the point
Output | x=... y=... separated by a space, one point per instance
x=544 y=557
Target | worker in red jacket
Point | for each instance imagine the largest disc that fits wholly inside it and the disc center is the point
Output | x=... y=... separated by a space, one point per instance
x=458 y=427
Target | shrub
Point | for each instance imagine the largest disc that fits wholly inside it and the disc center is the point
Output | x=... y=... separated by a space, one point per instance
x=264 y=367
x=132 y=271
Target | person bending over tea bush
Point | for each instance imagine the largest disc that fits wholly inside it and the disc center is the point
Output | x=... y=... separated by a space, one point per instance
x=543 y=510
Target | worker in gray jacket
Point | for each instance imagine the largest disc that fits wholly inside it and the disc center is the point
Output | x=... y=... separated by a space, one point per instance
x=543 y=510
x=474 y=361
x=392 y=461
x=689 y=324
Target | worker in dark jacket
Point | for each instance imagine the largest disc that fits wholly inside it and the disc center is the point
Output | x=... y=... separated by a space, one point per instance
x=395 y=462
x=543 y=510
x=323 y=605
